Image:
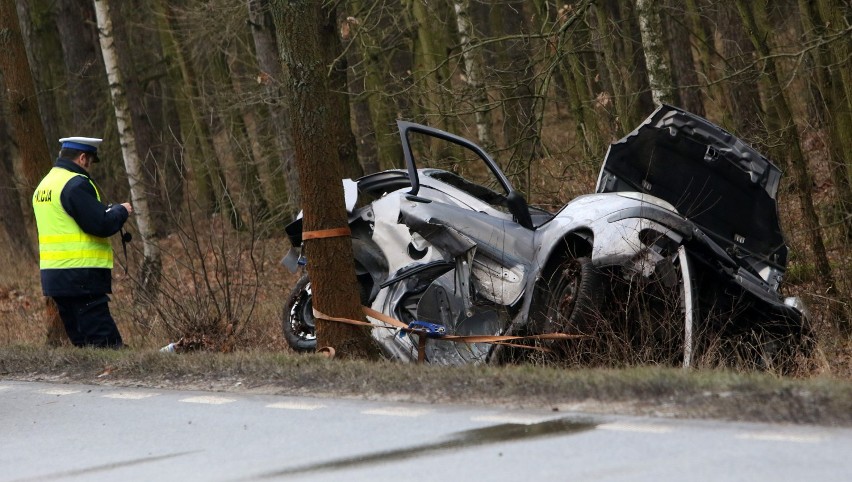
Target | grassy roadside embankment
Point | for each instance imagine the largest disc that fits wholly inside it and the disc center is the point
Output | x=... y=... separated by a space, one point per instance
x=633 y=391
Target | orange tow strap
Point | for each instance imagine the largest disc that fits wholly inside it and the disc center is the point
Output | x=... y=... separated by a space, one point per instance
x=495 y=339
x=327 y=233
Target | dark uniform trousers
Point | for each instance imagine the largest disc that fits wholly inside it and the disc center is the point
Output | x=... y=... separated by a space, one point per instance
x=88 y=321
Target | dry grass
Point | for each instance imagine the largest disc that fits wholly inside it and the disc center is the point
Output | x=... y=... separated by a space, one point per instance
x=245 y=301
x=642 y=391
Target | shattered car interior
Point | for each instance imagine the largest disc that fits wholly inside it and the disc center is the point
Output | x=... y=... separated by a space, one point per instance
x=678 y=247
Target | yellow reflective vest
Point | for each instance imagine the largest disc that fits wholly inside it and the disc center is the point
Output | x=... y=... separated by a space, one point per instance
x=61 y=242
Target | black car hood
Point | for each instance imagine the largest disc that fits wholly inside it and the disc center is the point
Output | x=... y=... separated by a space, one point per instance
x=714 y=179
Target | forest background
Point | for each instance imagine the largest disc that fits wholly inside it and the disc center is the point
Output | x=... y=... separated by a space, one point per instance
x=191 y=100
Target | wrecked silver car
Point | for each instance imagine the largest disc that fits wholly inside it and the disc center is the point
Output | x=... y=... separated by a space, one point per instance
x=678 y=250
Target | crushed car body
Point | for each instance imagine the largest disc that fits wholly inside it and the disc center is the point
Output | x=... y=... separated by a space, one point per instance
x=682 y=226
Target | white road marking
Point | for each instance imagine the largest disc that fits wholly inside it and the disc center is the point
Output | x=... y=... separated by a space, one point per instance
x=398 y=411
x=210 y=400
x=781 y=437
x=635 y=427
x=5 y=387
x=295 y=406
x=130 y=395
x=58 y=391
x=506 y=418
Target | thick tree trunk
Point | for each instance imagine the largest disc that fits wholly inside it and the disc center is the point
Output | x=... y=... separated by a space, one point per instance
x=519 y=88
x=75 y=20
x=751 y=14
x=21 y=97
x=616 y=66
x=282 y=168
x=44 y=50
x=837 y=17
x=331 y=265
x=687 y=93
x=338 y=83
x=152 y=264
x=24 y=118
x=431 y=66
x=741 y=90
x=18 y=243
x=382 y=108
x=704 y=46
x=362 y=123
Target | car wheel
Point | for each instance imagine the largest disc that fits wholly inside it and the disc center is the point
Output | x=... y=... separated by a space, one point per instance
x=574 y=296
x=569 y=300
x=297 y=318
x=654 y=318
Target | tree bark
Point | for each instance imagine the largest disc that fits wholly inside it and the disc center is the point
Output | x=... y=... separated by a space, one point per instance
x=77 y=26
x=741 y=90
x=473 y=73
x=12 y=219
x=143 y=90
x=152 y=264
x=615 y=63
x=196 y=147
x=431 y=69
x=338 y=83
x=382 y=108
x=704 y=47
x=751 y=13
x=44 y=51
x=331 y=265
x=519 y=87
x=282 y=169
x=24 y=119
x=829 y=83
x=21 y=97
x=654 y=49
x=832 y=13
x=687 y=92
x=261 y=192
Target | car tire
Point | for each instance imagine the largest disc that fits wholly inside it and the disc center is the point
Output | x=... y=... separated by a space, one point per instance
x=574 y=298
x=297 y=318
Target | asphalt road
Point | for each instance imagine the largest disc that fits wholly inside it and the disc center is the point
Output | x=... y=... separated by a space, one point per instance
x=82 y=432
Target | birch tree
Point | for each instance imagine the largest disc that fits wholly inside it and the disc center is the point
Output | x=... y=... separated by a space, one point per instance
x=473 y=73
x=653 y=46
x=152 y=264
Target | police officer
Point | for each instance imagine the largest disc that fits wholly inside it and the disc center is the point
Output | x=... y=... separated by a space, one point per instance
x=75 y=255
